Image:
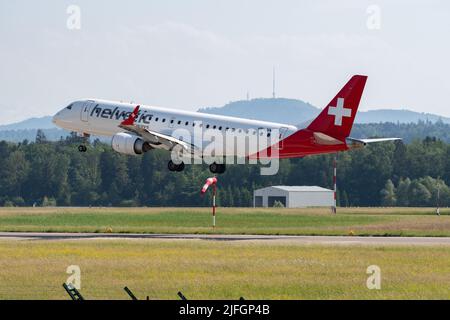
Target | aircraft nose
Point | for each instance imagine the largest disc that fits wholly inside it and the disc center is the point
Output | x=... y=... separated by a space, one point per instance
x=56 y=118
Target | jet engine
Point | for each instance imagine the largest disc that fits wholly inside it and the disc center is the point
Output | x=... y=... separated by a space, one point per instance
x=129 y=144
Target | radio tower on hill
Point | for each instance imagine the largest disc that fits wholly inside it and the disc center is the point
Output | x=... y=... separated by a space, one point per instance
x=273 y=84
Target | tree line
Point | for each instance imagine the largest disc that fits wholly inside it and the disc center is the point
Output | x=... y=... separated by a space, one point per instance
x=45 y=173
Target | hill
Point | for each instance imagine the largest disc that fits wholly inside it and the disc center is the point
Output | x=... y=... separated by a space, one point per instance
x=400 y=116
x=298 y=112
x=31 y=123
x=281 y=110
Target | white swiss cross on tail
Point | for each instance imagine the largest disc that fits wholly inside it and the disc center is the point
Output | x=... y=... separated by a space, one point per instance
x=339 y=112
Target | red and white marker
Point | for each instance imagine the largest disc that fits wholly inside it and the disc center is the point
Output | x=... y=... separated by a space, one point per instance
x=211 y=182
x=334 y=209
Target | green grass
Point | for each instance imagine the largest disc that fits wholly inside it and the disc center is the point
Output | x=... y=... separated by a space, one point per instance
x=357 y=221
x=221 y=270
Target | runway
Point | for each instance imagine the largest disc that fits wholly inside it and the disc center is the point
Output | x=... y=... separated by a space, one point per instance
x=328 y=240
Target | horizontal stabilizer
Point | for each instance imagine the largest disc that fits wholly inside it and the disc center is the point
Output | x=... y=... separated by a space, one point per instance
x=366 y=141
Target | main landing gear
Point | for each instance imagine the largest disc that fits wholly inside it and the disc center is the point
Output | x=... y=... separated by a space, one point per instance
x=214 y=167
x=82 y=148
x=172 y=166
x=217 y=168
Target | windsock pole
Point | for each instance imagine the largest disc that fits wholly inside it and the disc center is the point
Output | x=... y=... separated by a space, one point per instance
x=214 y=205
x=211 y=182
x=437 y=202
x=334 y=209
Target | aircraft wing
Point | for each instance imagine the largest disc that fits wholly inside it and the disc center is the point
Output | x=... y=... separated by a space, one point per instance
x=155 y=139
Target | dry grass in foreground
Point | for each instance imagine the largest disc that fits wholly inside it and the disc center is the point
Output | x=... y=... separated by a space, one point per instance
x=221 y=270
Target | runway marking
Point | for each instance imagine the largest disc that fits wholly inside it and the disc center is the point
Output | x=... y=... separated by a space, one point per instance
x=344 y=240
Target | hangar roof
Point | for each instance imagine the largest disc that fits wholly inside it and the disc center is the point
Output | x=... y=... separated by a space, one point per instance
x=299 y=188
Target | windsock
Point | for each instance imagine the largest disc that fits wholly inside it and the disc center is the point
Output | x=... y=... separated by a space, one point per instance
x=209 y=182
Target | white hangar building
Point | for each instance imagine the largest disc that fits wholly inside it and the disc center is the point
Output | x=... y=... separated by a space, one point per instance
x=293 y=196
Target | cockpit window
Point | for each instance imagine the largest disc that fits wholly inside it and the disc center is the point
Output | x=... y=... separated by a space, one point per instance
x=70 y=106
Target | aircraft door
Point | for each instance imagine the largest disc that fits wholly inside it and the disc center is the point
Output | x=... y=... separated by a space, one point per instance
x=85 y=110
x=283 y=132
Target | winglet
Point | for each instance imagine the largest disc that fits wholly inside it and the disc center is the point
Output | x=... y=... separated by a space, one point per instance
x=131 y=118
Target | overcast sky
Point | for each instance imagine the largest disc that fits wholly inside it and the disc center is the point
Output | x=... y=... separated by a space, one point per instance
x=195 y=53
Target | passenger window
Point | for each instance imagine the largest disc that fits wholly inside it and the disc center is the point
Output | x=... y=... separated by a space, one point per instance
x=220 y=128
x=179 y=122
x=156 y=119
x=163 y=120
x=187 y=123
x=207 y=126
x=171 y=121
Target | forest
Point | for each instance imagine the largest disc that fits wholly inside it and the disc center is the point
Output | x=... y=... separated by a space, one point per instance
x=45 y=173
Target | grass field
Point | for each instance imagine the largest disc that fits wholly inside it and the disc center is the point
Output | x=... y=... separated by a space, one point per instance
x=357 y=221
x=221 y=270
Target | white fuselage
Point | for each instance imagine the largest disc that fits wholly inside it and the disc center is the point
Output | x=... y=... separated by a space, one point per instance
x=102 y=118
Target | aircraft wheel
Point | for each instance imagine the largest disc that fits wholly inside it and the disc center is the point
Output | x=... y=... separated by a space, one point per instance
x=222 y=168
x=213 y=167
x=172 y=166
x=175 y=167
x=180 y=167
x=217 y=168
x=82 y=148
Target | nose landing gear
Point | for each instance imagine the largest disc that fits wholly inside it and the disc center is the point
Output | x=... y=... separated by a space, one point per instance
x=82 y=147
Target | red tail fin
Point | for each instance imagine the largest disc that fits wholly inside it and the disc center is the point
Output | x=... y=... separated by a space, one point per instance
x=336 y=120
x=328 y=132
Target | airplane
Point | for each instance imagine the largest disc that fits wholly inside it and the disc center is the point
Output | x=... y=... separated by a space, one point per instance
x=136 y=130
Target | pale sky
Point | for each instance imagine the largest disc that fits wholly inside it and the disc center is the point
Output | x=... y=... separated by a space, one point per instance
x=195 y=53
